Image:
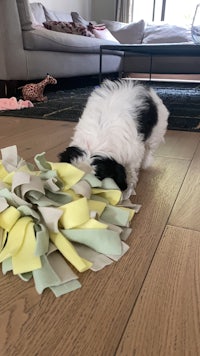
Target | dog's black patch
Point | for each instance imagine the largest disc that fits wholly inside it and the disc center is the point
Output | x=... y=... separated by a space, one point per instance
x=70 y=154
x=109 y=168
x=148 y=117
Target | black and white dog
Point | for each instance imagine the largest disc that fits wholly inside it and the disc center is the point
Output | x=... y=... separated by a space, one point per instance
x=122 y=125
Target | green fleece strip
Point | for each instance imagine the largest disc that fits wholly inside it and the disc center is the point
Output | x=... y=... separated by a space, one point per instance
x=7 y=265
x=101 y=240
x=42 y=240
x=115 y=215
x=45 y=277
x=41 y=162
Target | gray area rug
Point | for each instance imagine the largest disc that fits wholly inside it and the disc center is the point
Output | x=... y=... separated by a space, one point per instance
x=181 y=99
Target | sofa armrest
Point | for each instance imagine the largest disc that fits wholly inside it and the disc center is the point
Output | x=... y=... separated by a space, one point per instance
x=11 y=43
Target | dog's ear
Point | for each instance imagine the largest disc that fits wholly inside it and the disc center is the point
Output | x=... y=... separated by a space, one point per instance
x=70 y=154
x=105 y=167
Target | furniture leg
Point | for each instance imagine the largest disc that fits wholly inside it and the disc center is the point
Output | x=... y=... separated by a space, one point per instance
x=2 y=88
x=150 y=69
x=11 y=88
x=100 y=65
x=8 y=88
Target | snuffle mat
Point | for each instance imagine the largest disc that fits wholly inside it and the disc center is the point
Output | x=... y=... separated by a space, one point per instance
x=57 y=221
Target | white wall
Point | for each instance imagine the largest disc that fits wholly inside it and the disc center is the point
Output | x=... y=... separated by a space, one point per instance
x=103 y=9
x=89 y=9
x=83 y=7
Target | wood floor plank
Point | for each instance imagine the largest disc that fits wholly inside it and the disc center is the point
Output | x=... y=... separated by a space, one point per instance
x=166 y=317
x=91 y=320
x=33 y=137
x=179 y=144
x=186 y=211
x=52 y=154
x=13 y=125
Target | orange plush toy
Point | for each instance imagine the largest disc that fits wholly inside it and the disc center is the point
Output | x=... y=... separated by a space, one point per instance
x=34 y=92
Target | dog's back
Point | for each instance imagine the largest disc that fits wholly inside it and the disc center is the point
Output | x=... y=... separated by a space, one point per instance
x=117 y=112
x=121 y=126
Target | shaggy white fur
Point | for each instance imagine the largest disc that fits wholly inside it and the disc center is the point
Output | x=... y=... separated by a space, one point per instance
x=109 y=126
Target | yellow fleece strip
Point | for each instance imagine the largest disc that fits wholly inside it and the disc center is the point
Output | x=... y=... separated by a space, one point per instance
x=69 y=174
x=9 y=217
x=25 y=259
x=15 y=238
x=69 y=252
x=75 y=213
x=113 y=196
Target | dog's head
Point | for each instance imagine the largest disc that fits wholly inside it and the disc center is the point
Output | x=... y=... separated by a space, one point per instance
x=102 y=166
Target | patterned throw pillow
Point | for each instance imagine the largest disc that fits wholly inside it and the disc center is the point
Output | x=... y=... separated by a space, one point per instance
x=99 y=27
x=68 y=27
x=100 y=31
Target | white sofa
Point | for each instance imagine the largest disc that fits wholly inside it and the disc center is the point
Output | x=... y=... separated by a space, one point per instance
x=28 y=50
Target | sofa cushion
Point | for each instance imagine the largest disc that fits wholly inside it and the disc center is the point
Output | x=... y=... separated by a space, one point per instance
x=68 y=27
x=113 y=25
x=104 y=34
x=126 y=33
x=25 y=15
x=38 y=13
x=166 y=33
x=57 y=15
x=77 y=18
x=42 y=39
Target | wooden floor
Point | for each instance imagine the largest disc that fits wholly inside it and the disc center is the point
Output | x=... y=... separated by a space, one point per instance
x=148 y=303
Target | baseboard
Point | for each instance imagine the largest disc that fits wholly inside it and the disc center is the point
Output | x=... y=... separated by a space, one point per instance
x=190 y=78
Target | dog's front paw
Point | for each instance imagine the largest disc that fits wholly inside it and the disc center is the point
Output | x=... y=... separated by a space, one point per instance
x=127 y=193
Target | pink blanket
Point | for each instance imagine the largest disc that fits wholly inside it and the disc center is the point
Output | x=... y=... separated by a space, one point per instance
x=13 y=104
